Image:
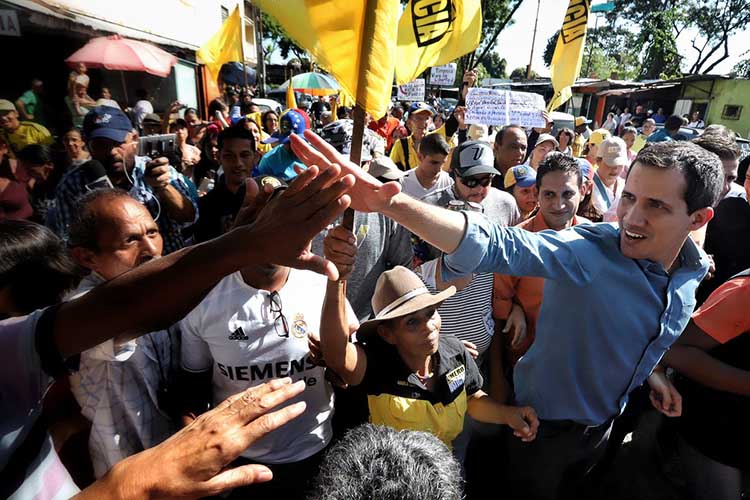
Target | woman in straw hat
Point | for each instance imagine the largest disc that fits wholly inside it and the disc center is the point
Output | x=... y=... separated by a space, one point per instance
x=413 y=378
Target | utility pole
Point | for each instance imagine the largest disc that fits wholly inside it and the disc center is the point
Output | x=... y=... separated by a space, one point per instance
x=260 y=67
x=533 y=40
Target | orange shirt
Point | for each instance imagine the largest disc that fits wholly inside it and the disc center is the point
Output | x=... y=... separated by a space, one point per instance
x=724 y=315
x=524 y=290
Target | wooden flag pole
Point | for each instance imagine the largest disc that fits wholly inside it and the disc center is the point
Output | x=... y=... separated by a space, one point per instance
x=355 y=156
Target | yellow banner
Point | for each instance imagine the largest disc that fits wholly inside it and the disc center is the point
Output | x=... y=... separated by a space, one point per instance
x=435 y=32
x=354 y=40
x=225 y=46
x=566 y=62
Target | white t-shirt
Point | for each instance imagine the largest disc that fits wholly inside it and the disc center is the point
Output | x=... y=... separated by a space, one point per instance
x=232 y=332
x=22 y=387
x=140 y=110
x=411 y=186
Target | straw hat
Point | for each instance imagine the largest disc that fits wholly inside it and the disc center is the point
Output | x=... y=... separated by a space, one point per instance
x=399 y=292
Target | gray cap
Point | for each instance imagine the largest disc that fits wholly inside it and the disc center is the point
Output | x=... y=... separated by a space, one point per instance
x=385 y=168
x=473 y=158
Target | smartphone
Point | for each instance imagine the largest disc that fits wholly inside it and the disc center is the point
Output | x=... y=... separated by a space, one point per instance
x=156 y=146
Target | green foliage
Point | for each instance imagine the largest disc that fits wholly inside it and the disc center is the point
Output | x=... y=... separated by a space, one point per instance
x=520 y=74
x=278 y=39
x=742 y=69
x=494 y=65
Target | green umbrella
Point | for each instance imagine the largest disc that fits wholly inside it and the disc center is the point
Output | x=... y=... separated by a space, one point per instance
x=316 y=84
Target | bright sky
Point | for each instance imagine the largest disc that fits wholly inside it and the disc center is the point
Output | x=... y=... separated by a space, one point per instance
x=514 y=43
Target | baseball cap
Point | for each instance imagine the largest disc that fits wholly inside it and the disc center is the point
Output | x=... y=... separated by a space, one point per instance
x=384 y=168
x=473 y=158
x=547 y=138
x=6 y=105
x=598 y=135
x=107 y=122
x=523 y=175
x=582 y=120
x=290 y=123
x=269 y=180
x=152 y=119
x=587 y=170
x=613 y=152
x=421 y=107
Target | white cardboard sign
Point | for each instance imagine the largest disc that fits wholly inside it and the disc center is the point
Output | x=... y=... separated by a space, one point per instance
x=444 y=76
x=504 y=107
x=412 y=91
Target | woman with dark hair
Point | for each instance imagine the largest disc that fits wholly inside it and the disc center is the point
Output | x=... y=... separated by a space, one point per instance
x=218 y=113
x=205 y=171
x=270 y=121
x=35 y=269
x=565 y=138
x=75 y=148
x=14 y=197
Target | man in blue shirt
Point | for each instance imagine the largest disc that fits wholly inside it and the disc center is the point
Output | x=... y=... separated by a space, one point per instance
x=670 y=132
x=637 y=284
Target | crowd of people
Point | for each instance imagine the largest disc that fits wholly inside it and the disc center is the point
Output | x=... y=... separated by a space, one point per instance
x=489 y=321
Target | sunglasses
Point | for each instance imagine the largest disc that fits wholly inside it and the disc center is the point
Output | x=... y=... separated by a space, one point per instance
x=472 y=182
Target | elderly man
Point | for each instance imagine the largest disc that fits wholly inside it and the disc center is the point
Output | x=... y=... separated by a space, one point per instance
x=509 y=150
x=650 y=263
x=19 y=134
x=119 y=382
x=648 y=128
x=112 y=142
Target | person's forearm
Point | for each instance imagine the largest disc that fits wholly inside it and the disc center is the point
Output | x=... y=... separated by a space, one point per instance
x=485 y=409
x=334 y=330
x=119 y=483
x=499 y=386
x=703 y=368
x=178 y=207
x=152 y=296
x=441 y=228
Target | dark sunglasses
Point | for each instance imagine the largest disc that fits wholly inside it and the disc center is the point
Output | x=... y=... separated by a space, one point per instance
x=472 y=182
x=279 y=322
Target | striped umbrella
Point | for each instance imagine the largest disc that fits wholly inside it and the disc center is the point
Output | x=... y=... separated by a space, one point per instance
x=316 y=84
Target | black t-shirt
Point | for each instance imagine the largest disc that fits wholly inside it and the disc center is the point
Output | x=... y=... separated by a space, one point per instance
x=217 y=210
x=728 y=240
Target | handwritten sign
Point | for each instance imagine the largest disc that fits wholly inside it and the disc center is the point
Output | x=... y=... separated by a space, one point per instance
x=504 y=107
x=412 y=91
x=9 y=23
x=443 y=75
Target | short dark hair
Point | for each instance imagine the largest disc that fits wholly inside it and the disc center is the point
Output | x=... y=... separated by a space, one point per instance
x=673 y=123
x=34 y=265
x=558 y=162
x=36 y=154
x=629 y=130
x=380 y=462
x=719 y=144
x=503 y=129
x=235 y=132
x=83 y=230
x=566 y=131
x=265 y=115
x=703 y=172
x=434 y=144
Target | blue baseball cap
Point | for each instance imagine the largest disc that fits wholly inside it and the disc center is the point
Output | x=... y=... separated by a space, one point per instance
x=522 y=175
x=421 y=107
x=107 y=122
x=587 y=170
x=290 y=123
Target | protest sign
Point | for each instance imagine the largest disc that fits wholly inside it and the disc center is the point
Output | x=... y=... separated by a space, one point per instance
x=412 y=91
x=443 y=75
x=504 y=107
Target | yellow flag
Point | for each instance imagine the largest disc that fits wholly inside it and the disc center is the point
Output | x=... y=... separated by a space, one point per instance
x=354 y=40
x=225 y=46
x=566 y=62
x=435 y=32
x=291 y=100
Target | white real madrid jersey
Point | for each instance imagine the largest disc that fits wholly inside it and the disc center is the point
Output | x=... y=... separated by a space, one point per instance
x=235 y=333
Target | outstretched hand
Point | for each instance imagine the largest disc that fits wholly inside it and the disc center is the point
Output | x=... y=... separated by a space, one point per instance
x=367 y=195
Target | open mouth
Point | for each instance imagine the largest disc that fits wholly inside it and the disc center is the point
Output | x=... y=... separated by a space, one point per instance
x=630 y=235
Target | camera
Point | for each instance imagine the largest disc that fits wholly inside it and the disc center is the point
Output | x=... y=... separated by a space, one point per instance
x=156 y=146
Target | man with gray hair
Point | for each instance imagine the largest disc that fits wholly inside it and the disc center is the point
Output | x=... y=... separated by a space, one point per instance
x=380 y=462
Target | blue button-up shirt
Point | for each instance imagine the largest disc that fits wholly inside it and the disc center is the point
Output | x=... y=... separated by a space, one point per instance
x=73 y=186
x=605 y=322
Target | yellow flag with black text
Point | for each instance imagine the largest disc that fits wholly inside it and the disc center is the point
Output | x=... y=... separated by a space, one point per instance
x=566 y=62
x=435 y=32
x=224 y=46
x=354 y=40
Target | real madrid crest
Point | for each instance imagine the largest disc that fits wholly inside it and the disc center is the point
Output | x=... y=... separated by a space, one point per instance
x=299 y=327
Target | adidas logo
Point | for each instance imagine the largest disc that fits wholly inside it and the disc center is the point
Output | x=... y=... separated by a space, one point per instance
x=238 y=334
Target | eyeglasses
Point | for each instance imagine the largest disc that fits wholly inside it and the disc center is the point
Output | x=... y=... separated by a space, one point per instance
x=280 y=318
x=472 y=182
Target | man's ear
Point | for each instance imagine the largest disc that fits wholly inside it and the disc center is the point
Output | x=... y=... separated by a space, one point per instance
x=84 y=257
x=700 y=218
x=386 y=334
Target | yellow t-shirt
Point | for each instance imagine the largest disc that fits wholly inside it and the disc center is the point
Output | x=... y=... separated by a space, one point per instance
x=397 y=151
x=640 y=141
x=27 y=133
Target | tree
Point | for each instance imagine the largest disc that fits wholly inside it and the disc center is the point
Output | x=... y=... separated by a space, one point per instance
x=496 y=66
x=275 y=34
x=741 y=69
x=715 y=26
x=520 y=74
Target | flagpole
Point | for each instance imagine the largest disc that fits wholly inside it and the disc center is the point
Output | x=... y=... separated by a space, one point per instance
x=241 y=6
